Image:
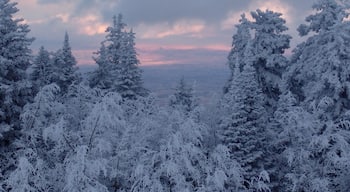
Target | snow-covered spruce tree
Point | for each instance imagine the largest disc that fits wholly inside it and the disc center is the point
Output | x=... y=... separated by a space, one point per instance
x=183 y=98
x=64 y=66
x=42 y=69
x=15 y=89
x=239 y=42
x=269 y=44
x=109 y=57
x=129 y=83
x=118 y=64
x=243 y=129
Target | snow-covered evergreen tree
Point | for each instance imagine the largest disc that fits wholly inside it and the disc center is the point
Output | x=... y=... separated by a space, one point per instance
x=64 y=65
x=42 y=69
x=319 y=77
x=118 y=64
x=320 y=66
x=129 y=83
x=100 y=77
x=15 y=89
x=269 y=44
x=14 y=58
x=239 y=42
x=243 y=129
x=109 y=57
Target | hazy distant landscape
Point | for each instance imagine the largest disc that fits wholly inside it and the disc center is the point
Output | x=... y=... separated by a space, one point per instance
x=162 y=79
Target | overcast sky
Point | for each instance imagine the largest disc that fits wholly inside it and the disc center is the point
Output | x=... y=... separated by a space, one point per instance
x=167 y=31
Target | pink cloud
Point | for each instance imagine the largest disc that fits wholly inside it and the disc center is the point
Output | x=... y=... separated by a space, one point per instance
x=190 y=27
x=84 y=57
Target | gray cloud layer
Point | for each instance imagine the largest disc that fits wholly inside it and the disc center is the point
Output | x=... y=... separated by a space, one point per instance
x=152 y=12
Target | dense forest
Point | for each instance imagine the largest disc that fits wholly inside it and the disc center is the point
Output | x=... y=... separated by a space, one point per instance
x=281 y=124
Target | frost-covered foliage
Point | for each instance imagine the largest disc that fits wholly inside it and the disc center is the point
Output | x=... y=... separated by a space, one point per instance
x=118 y=64
x=223 y=173
x=182 y=163
x=320 y=67
x=319 y=79
x=82 y=172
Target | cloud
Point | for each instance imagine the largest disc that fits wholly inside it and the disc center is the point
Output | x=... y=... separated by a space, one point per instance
x=180 y=26
x=90 y=25
x=190 y=27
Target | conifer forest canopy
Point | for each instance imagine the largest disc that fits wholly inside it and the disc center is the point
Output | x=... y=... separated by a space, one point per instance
x=280 y=123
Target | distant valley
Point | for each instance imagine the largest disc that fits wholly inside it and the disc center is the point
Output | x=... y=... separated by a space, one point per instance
x=162 y=79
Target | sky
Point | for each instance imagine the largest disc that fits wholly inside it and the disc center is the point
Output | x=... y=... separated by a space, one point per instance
x=167 y=31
